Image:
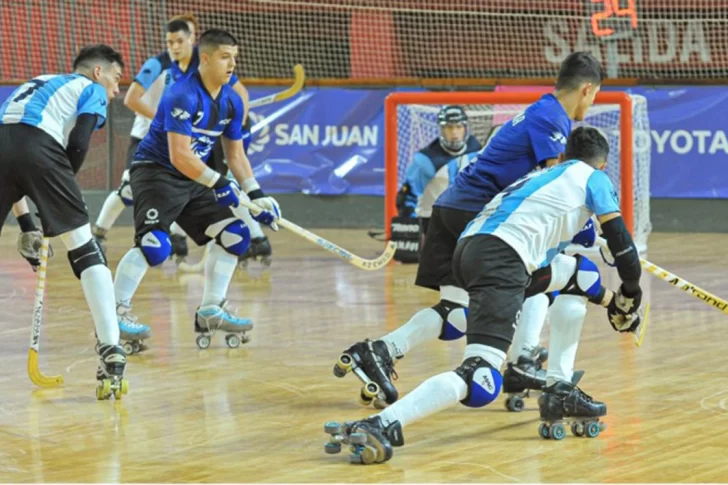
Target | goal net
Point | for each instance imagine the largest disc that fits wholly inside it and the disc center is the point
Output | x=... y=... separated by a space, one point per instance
x=416 y=127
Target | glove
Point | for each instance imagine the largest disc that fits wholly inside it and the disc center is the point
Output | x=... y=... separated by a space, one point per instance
x=226 y=193
x=406 y=201
x=29 y=244
x=587 y=236
x=269 y=210
x=622 y=311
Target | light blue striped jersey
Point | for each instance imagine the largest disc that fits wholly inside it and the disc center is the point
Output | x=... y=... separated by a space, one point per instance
x=52 y=102
x=154 y=77
x=539 y=214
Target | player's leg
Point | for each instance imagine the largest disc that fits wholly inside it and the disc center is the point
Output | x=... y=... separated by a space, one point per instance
x=496 y=280
x=116 y=200
x=373 y=361
x=159 y=197
x=49 y=181
x=203 y=219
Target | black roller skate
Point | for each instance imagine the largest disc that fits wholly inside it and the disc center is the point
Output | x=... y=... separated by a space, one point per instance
x=99 y=234
x=370 y=442
x=110 y=373
x=179 y=247
x=526 y=375
x=260 y=250
x=211 y=318
x=564 y=403
x=372 y=363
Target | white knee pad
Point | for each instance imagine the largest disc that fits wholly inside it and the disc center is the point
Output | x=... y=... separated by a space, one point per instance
x=76 y=238
x=453 y=309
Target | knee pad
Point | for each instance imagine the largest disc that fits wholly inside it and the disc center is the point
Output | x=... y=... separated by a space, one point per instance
x=586 y=280
x=156 y=247
x=454 y=319
x=82 y=258
x=234 y=238
x=484 y=382
x=124 y=191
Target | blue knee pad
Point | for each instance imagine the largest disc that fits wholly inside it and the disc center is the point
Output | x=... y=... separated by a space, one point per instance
x=484 y=382
x=125 y=194
x=156 y=247
x=235 y=238
x=586 y=281
x=454 y=319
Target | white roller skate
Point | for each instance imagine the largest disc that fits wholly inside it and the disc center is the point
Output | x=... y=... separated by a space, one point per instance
x=110 y=373
x=210 y=319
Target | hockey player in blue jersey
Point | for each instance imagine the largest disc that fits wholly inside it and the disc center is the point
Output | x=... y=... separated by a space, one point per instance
x=497 y=259
x=171 y=182
x=45 y=128
x=531 y=140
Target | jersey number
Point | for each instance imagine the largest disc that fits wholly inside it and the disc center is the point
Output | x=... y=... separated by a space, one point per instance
x=36 y=84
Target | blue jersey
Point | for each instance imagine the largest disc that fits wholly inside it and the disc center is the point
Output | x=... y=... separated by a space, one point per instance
x=179 y=75
x=188 y=109
x=53 y=102
x=530 y=138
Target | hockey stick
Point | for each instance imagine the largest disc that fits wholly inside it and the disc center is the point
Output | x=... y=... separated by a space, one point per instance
x=186 y=267
x=298 y=79
x=353 y=259
x=34 y=373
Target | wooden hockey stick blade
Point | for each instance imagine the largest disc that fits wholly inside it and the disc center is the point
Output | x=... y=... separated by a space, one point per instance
x=299 y=77
x=639 y=335
x=353 y=259
x=37 y=377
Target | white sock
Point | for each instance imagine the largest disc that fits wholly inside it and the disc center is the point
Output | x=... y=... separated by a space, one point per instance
x=129 y=274
x=255 y=230
x=176 y=230
x=563 y=268
x=528 y=330
x=567 y=318
x=110 y=212
x=435 y=394
x=219 y=269
x=99 y=291
x=423 y=326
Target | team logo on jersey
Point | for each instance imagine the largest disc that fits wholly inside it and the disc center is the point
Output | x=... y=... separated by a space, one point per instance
x=558 y=137
x=152 y=216
x=261 y=136
x=226 y=121
x=198 y=117
x=180 y=114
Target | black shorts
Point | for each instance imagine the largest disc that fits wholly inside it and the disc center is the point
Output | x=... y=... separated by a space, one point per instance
x=163 y=196
x=443 y=230
x=32 y=163
x=496 y=279
x=133 y=145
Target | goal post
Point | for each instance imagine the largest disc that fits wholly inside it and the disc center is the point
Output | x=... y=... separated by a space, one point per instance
x=408 y=112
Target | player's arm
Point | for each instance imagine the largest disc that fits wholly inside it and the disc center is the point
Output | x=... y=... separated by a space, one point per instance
x=548 y=139
x=149 y=72
x=243 y=93
x=92 y=106
x=419 y=173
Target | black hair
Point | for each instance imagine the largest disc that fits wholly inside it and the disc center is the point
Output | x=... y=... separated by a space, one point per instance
x=91 y=54
x=178 y=25
x=588 y=145
x=214 y=38
x=579 y=68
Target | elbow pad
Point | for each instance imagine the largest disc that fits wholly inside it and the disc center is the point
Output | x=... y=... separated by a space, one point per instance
x=626 y=257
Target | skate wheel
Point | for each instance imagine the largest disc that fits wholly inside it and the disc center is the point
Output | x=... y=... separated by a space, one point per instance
x=368 y=455
x=515 y=404
x=103 y=390
x=380 y=404
x=97 y=347
x=136 y=346
x=592 y=429
x=358 y=438
x=543 y=355
x=203 y=341
x=332 y=448
x=364 y=400
x=266 y=262
x=232 y=341
x=124 y=386
x=577 y=429
x=371 y=390
x=543 y=431
x=128 y=348
x=339 y=371
x=356 y=458
x=332 y=428
x=345 y=362
x=245 y=338
x=557 y=432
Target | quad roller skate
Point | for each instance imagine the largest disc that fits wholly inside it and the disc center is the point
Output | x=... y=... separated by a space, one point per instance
x=526 y=375
x=110 y=373
x=99 y=234
x=369 y=441
x=260 y=250
x=210 y=319
x=132 y=333
x=179 y=248
x=372 y=363
x=564 y=403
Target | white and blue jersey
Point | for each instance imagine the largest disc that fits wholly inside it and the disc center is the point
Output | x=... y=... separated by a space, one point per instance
x=529 y=139
x=154 y=77
x=188 y=109
x=540 y=214
x=53 y=102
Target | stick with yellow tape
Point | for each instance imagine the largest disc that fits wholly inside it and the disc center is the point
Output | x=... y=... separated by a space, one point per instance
x=34 y=373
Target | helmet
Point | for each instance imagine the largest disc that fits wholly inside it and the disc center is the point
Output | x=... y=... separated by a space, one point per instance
x=452 y=115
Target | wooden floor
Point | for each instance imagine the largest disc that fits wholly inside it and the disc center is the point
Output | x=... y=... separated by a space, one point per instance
x=256 y=414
